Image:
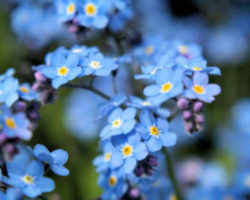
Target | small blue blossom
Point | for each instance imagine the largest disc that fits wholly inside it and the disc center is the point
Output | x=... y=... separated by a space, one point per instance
x=113 y=183
x=148 y=104
x=14 y=125
x=28 y=177
x=108 y=159
x=66 y=9
x=93 y=14
x=8 y=88
x=119 y=122
x=27 y=93
x=56 y=159
x=200 y=65
x=200 y=89
x=130 y=150
x=168 y=85
x=155 y=132
x=98 y=65
x=61 y=69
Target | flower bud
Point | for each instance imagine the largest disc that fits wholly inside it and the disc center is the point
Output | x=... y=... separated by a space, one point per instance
x=3 y=138
x=40 y=77
x=187 y=115
x=199 y=118
x=198 y=106
x=134 y=193
x=182 y=103
x=189 y=127
x=152 y=161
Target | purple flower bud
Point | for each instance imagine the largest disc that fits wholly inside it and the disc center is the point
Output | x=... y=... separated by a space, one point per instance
x=182 y=103
x=198 y=106
x=9 y=148
x=20 y=106
x=36 y=86
x=187 y=115
x=152 y=161
x=34 y=116
x=3 y=138
x=199 y=118
x=40 y=77
x=134 y=193
x=139 y=171
x=189 y=127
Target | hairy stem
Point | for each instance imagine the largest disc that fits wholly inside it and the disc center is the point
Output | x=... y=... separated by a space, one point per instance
x=171 y=174
x=90 y=88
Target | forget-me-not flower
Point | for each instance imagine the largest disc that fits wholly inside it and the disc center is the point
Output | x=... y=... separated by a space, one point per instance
x=56 y=159
x=119 y=122
x=155 y=132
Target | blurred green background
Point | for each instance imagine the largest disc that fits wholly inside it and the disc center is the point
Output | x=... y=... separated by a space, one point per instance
x=82 y=182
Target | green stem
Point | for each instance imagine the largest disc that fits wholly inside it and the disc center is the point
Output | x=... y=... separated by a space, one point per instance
x=171 y=174
x=90 y=88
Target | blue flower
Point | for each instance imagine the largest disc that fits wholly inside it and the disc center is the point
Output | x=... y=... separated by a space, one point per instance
x=185 y=51
x=8 y=88
x=56 y=159
x=93 y=14
x=27 y=93
x=113 y=183
x=98 y=65
x=108 y=159
x=148 y=104
x=168 y=85
x=155 y=132
x=200 y=65
x=61 y=69
x=119 y=122
x=28 y=177
x=106 y=108
x=130 y=149
x=66 y=9
x=14 y=125
x=200 y=89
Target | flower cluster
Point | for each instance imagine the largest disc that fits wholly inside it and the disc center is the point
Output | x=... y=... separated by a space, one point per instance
x=24 y=167
x=137 y=135
x=63 y=65
x=138 y=129
x=95 y=14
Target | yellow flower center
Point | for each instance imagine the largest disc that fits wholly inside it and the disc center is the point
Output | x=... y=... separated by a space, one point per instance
x=166 y=87
x=127 y=150
x=63 y=71
x=112 y=181
x=183 y=49
x=10 y=123
x=154 y=130
x=149 y=50
x=90 y=9
x=95 y=64
x=198 y=89
x=197 y=68
x=117 y=123
x=172 y=197
x=24 y=89
x=107 y=157
x=146 y=103
x=71 y=9
x=28 y=179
